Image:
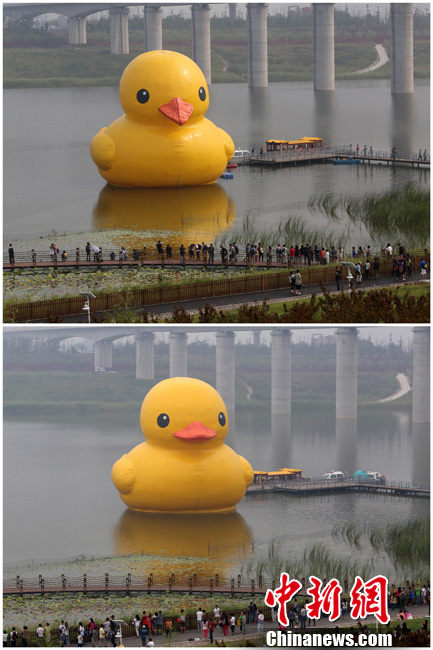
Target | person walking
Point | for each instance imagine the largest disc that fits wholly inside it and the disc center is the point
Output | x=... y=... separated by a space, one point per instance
x=88 y=252
x=243 y=623
x=11 y=254
x=367 y=269
x=211 y=630
x=144 y=631
x=24 y=636
x=298 y=282
x=358 y=273
x=200 y=620
x=338 y=277
x=260 y=621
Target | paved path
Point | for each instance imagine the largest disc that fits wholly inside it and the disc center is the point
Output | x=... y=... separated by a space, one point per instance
x=380 y=61
x=178 y=639
x=404 y=388
x=235 y=301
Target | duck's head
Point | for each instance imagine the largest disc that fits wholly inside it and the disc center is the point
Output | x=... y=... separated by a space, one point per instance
x=183 y=413
x=163 y=88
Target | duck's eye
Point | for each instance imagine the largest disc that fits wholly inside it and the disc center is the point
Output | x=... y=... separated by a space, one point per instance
x=202 y=93
x=143 y=96
x=222 y=419
x=163 y=420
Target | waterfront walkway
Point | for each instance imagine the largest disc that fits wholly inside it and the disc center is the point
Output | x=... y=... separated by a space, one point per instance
x=177 y=639
x=294 y=158
x=324 y=487
x=229 y=302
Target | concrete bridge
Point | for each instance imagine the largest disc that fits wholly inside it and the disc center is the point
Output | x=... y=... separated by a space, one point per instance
x=401 y=19
x=346 y=358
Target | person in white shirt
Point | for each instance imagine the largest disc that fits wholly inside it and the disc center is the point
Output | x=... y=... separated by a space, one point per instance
x=200 y=620
x=233 y=624
x=260 y=621
x=40 y=632
x=150 y=643
x=216 y=613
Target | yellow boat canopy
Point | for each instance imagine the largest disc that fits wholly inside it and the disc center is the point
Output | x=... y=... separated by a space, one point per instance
x=282 y=474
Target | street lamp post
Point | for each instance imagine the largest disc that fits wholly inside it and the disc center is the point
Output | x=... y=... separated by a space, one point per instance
x=87 y=295
x=349 y=277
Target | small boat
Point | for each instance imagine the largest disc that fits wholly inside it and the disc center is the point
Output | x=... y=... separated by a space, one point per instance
x=227 y=175
x=345 y=160
x=230 y=165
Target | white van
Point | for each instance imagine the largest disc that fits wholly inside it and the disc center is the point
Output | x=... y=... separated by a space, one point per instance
x=240 y=154
x=334 y=475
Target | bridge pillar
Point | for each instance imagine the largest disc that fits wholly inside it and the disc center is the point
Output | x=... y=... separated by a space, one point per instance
x=119 y=30
x=323 y=38
x=232 y=10
x=401 y=18
x=257 y=45
x=281 y=441
x=77 y=33
x=421 y=375
x=346 y=399
x=103 y=354
x=421 y=406
x=153 y=27
x=178 y=354
x=347 y=373
x=225 y=367
x=281 y=372
x=200 y=14
x=82 y=30
x=144 y=355
x=256 y=338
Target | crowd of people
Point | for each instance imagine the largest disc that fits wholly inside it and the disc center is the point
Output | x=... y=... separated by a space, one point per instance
x=293 y=256
x=209 y=623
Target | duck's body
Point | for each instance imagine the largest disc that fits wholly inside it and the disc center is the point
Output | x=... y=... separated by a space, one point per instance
x=183 y=467
x=180 y=482
x=163 y=139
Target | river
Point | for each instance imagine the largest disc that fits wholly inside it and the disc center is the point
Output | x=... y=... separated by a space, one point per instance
x=59 y=501
x=51 y=183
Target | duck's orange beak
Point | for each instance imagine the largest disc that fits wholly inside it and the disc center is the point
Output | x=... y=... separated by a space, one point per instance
x=195 y=432
x=177 y=110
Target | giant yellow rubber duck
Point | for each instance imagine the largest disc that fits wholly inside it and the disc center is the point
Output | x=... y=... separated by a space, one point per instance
x=184 y=465
x=163 y=139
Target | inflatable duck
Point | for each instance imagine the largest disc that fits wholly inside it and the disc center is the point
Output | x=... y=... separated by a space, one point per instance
x=163 y=139
x=184 y=465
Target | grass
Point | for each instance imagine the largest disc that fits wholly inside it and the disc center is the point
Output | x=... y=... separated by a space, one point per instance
x=47 y=61
x=405 y=544
x=415 y=290
x=398 y=215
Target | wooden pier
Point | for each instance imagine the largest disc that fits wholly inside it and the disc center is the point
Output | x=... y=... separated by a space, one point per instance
x=326 y=155
x=319 y=487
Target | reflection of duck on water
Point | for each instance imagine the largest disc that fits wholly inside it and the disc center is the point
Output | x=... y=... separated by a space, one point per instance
x=220 y=535
x=163 y=139
x=205 y=208
x=184 y=465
